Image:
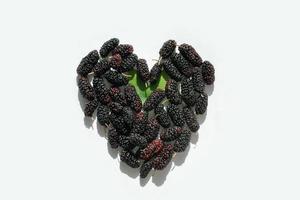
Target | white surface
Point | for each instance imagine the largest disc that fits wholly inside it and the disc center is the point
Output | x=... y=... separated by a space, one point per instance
x=248 y=146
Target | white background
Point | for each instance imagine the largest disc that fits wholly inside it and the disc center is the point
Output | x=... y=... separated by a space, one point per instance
x=247 y=147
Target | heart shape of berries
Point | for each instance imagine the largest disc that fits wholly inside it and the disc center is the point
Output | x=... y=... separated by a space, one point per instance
x=150 y=115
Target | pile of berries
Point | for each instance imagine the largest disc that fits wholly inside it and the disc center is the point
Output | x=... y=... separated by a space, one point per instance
x=147 y=134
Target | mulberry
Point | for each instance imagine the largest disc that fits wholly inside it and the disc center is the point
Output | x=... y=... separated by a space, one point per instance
x=115 y=61
x=115 y=107
x=113 y=138
x=182 y=141
x=115 y=78
x=143 y=70
x=124 y=142
x=167 y=49
x=164 y=157
x=151 y=130
x=183 y=66
x=118 y=123
x=188 y=94
x=190 y=54
x=140 y=121
x=123 y=49
x=87 y=63
x=162 y=116
x=172 y=92
x=132 y=99
x=108 y=46
x=201 y=104
x=103 y=114
x=138 y=140
x=85 y=88
x=117 y=96
x=90 y=107
x=154 y=99
x=171 y=70
x=171 y=134
x=176 y=115
x=128 y=63
x=102 y=92
x=155 y=73
x=208 y=72
x=128 y=117
x=101 y=67
x=129 y=159
x=152 y=148
x=145 y=169
x=197 y=80
x=190 y=119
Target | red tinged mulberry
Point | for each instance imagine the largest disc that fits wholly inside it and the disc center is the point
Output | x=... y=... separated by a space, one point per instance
x=151 y=130
x=162 y=116
x=163 y=158
x=176 y=115
x=85 y=88
x=145 y=169
x=152 y=148
x=138 y=140
x=172 y=92
x=124 y=50
x=132 y=99
x=115 y=61
x=103 y=114
x=183 y=66
x=190 y=119
x=90 y=107
x=108 y=46
x=102 y=92
x=143 y=70
x=190 y=54
x=115 y=78
x=101 y=67
x=182 y=141
x=117 y=96
x=113 y=138
x=167 y=49
x=155 y=73
x=171 y=134
x=201 y=104
x=197 y=80
x=130 y=159
x=188 y=94
x=140 y=121
x=154 y=99
x=87 y=63
x=171 y=70
x=128 y=63
x=208 y=73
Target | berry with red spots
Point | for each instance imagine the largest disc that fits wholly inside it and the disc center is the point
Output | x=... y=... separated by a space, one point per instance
x=170 y=134
x=154 y=99
x=164 y=157
x=154 y=147
x=115 y=61
x=208 y=73
x=85 y=88
x=123 y=49
x=190 y=54
x=108 y=46
x=172 y=92
x=182 y=141
x=167 y=49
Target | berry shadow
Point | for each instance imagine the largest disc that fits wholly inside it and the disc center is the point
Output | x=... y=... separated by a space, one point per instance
x=160 y=176
x=209 y=89
x=131 y=172
x=88 y=121
x=179 y=158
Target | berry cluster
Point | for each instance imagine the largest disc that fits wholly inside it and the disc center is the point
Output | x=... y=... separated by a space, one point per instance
x=149 y=134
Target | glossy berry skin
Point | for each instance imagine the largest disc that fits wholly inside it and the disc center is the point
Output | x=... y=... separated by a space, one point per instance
x=162 y=116
x=151 y=130
x=164 y=157
x=182 y=141
x=153 y=148
x=145 y=169
x=101 y=91
x=143 y=70
x=201 y=104
x=176 y=115
x=167 y=49
x=103 y=114
x=101 y=67
x=124 y=142
x=171 y=70
x=208 y=73
x=172 y=92
x=130 y=159
x=154 y=99
x=90 y=107
x=115 y=78
x=155 y=73
x=132 y=99
x=190 y=119
x=115 y=107
x=115 y=61
x=117 y=96
x=197 y=80
x=87 y=63
x=140 y=121
x=188 y=94
x=183 y=66
x=129 y=63
x=113 y=138
x=124 y=50
x=190 y=54
x=108 y=46
x=171 y=134
x=85 y=88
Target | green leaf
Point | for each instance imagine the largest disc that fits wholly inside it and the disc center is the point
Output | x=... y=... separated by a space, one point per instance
x=140 y=87
x=159 y=84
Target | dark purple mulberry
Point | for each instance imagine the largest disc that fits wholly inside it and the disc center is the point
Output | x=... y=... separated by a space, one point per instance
x=113 y=138
x=170 y=134
x=152 y=148
x=182 y=141
x=167 y=49
x=138 y=140
x=132 y=99
x=188 y=94
x=103 y=114
x=155 y=73
x=176 y=115
x=201 y=104
x=130 y=159
x=90 y=107
x=117 y=96
x=151 y=130
x=183 y=66
x=143 y=70
x=85 y=88
x=115 y=61
x=101 y=67
x=154 y=99
x=108 y=46
x=208 y=72
x=171 y=70
x=87 y=63
x=146 y=168
x=102 y=92
x=118 y=123
x=124 y=142
x=190 y=119
x=115 y=78
x=140 y=121
x=197 y=80
x=128 y=63
x=164 y=157
x=162 y=116
x=115 y=107
x=172 y=92
x=128 y=117
x=124 y=50
x=190 y=54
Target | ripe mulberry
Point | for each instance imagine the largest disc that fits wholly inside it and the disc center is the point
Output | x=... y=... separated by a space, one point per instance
x=140 y=121
x=115 y=107
x=183 y=66
x=190 y=119
x=128 y=117
x=164 y=157
x=103 y=114
x=155 y=73
x=152 y=148
x=172 y=92
x=201 y=104
x=113 y=138
x=85 y=88
x=124 y=142
x=145 y=169
x=208 y=73
x=162 y=116
x=138 y=140
x=118 y=123
x=188 y=94
x=102 y=92
x=117 y=96
x=171 y=70
x=182 y=141
x=143 y=70
x=130 y=159
x=128 y=63
x=115 y=78
x=171 y=134
x=176 y=115
x=101 y=67
x=90 y=107
x=108 y=46
x=115 y=61
x=151 y=130
x=167 y=49
x=87 y=63
x=190 y=54
x=197 y=80
x=123 y=49
x=132 y=99
x=154 y=99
